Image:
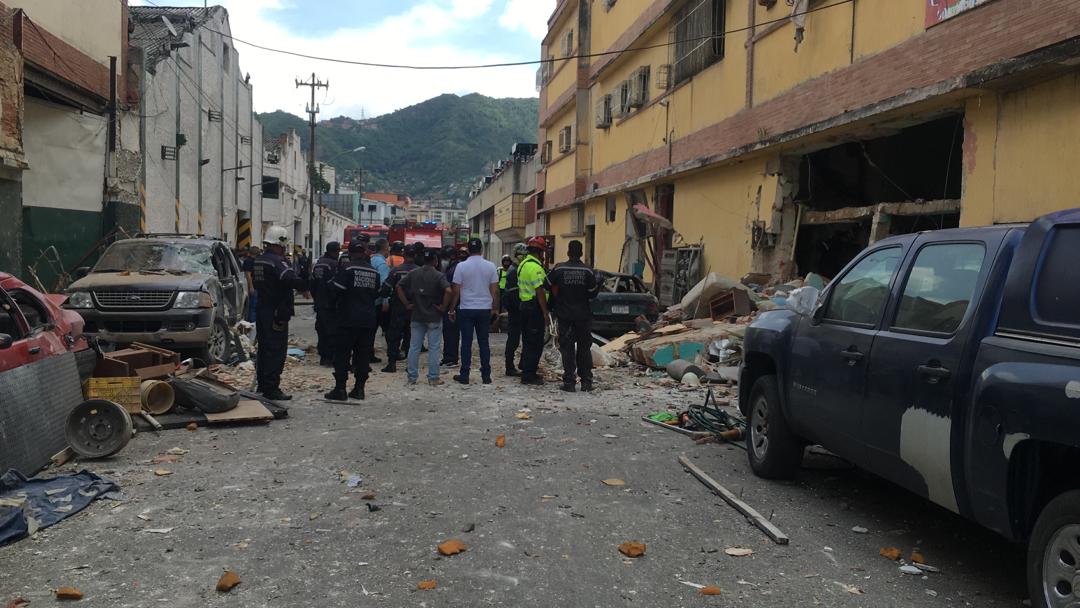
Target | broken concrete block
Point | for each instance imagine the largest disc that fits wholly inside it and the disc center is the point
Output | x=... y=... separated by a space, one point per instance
x=632 y=549
x=68 y=593
x=227 y=581
x=451 y=547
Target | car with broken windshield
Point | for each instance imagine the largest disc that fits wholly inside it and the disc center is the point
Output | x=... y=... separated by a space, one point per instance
x=176 y=291
x=947 y=362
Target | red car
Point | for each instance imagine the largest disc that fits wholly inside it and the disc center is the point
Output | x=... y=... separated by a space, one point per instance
x=34 y=327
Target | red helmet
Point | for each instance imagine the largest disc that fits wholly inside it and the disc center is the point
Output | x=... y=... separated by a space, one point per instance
x=537 y=242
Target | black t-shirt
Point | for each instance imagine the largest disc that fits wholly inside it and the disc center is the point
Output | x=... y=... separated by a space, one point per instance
x=396 y=274
x=573 y=284
x=353 y=292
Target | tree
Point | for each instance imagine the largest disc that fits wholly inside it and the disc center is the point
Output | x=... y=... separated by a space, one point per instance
x=321 y=185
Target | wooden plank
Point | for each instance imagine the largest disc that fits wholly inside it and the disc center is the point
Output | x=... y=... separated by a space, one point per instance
x=619 y=343
x=245 y=411
x=678 y=429
x=755 y=518
x=63 y=456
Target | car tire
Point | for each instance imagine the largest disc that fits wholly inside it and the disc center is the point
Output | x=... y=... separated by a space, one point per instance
x=219 y=346
x=774 y=452
x=1053 y=563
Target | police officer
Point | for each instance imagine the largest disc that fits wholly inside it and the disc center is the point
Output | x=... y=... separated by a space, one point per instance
x=534 y=309
x=399 y=316
x=573 y=285
x=353 y=292
x=510 y=304
x=274 y=282
x=321 y=274
x=451 y=333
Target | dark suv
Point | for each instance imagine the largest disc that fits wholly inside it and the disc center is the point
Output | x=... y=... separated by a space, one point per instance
x=181 y=292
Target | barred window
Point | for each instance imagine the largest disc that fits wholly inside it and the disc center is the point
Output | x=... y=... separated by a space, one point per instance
x=698 y=37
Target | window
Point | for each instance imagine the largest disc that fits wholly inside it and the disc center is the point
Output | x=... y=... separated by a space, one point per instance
x=577 y=219
x=567 y=47
x=638 y=91
x=663 y=77
x=860 y=294
x=939 y=287
x=620 y=99
x=1057 y=299
x=609 y=209
x=603 y=112
x=698 y=37
x=545 y=153
x=225 y=58
x=36 y=315
x=566 y=140
x=9 y=318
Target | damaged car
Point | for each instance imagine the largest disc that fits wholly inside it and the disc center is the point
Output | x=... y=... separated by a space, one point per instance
x=622 y=299
x=179 y=292
x=947 y=362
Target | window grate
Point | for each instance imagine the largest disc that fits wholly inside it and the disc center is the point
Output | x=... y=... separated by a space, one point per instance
x=697 y=38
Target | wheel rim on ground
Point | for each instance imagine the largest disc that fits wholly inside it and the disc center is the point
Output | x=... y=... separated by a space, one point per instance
x=217 y=344
x=759 y=429
x=1061 y=568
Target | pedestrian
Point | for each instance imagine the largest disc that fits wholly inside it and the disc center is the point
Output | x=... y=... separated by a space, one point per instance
x=353 y=292
x=275 y=283
x=382 y=266
x=573 y=286
x=397 y=313
x=512 y=306
x=451 y=336
x=534 y=309
x=397 y=254
x=476 y=301
x=321 y=274
x=427 y=294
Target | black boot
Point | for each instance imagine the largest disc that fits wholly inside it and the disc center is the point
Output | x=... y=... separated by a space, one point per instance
x=391 y=367
x=357 y=392
x=512 y=371
x=338 y=394
x=587 y=386
x=374 y=359
x=276 y=395
x=568 y=387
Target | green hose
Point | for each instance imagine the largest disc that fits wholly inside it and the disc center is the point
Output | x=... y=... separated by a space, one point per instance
x=711 y=418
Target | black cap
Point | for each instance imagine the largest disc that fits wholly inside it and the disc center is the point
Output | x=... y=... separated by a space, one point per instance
x=333 y=247
x=476 y=245
x=358 y=244
x=430 y=255
x=397 y=246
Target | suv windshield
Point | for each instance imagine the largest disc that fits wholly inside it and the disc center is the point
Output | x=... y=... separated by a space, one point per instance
x=140 y=256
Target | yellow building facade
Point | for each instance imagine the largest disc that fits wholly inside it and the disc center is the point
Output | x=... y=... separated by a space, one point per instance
x=783 y=139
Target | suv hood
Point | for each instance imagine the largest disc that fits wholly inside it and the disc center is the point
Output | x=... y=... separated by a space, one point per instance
x=137 y=280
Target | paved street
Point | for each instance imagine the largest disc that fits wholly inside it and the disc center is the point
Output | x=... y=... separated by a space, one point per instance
x=272 y=503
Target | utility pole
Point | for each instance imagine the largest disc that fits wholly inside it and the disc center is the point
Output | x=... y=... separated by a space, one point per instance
x=312 y=110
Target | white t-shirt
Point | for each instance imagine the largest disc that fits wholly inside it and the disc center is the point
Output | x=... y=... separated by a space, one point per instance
x=476 y=276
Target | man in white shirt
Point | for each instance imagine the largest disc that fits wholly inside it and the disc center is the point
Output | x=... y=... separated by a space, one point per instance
x=476 y=300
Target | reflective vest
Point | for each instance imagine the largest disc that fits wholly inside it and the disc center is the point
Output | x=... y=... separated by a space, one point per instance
x=502 y=278
x=530 y=277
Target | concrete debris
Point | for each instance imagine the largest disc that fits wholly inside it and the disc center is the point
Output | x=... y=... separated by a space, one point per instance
x=426 y=585
x=632 y=549
x=859 y=530
x=890 y=553
x=909 y=569
x=739 y=551
x=451 y=547
x=68 y=593
x=228 y=581
x=710 y=590
x=500 y=441
x=613 y=482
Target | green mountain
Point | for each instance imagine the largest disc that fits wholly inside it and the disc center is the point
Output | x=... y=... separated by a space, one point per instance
x=434 y=149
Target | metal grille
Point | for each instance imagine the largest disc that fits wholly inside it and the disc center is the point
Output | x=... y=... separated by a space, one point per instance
x=130 y=300
x=698 y=37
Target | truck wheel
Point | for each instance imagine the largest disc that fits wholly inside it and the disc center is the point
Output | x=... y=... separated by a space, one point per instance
x=774 y=452
x=1053 y=570
x=219 y=345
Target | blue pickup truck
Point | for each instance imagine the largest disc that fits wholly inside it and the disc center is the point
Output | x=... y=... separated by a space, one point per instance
x=947 y=362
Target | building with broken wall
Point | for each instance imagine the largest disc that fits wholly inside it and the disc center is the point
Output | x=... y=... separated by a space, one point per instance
x=199 y=147
x=786 y=143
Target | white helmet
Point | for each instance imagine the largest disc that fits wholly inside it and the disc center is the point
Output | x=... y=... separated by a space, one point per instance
x=276 y=235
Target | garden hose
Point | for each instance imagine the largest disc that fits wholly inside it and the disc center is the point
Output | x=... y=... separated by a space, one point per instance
x=709 y=417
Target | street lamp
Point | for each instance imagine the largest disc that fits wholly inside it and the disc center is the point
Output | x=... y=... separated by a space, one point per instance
x=321 y=208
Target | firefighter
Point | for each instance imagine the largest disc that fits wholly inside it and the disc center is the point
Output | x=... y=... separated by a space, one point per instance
x=573 y=286
x=398 y=314
x=321 y=274
x=531 y=276
x=397 y=254
x=352 y=294
x=275 y=282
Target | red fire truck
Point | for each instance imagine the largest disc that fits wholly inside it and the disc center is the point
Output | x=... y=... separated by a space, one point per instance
x=373 y=231
x=428 y=233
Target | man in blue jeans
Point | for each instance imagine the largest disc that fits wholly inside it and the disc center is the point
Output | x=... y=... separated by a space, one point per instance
x=426 y=294
x=475 y=304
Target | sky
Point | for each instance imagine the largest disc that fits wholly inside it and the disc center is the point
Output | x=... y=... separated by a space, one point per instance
x=414 y=32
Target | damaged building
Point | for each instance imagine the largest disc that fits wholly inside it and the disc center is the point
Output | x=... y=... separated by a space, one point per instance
x=764 y=139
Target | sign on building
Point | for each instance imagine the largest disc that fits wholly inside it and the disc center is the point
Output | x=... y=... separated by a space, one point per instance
x=940 y=10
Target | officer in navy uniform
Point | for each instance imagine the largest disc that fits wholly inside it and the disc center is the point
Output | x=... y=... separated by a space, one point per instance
x=321 y=274
x=352 y=293
x=399 y=316
x=274 y=282
x=573 y=286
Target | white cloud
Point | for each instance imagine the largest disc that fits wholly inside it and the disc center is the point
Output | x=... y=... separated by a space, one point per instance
x=440 y=32
x=528 y=15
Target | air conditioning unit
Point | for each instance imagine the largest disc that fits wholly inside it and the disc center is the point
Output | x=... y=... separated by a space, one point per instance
x=639 y=87
x=566 y=140
x=603 y=112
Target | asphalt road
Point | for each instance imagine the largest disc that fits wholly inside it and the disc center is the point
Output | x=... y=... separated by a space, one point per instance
x=272 y=503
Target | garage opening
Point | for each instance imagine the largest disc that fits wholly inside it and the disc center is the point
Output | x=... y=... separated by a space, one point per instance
x=907 y=179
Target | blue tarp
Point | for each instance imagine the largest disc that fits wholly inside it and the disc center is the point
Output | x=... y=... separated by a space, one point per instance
x=30 y=504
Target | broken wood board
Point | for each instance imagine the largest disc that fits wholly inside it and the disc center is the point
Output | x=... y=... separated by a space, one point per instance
x=245 y=411
x=658 y=351
x=749 y=512
x=619 y=343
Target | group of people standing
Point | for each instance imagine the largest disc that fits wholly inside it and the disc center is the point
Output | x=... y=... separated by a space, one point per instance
x=422 y=299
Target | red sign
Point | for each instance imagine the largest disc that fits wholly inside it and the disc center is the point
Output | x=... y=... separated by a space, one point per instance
x=940 y=10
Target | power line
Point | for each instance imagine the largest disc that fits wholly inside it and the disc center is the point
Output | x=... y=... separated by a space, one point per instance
x=518 y=63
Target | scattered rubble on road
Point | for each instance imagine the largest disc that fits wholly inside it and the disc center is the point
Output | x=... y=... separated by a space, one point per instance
x=632 y=549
